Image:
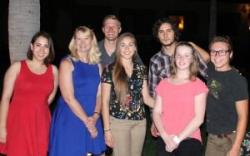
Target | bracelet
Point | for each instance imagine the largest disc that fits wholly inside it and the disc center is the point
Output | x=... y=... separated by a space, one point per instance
x=177 y=139
x=97 y=113
x=106 y=130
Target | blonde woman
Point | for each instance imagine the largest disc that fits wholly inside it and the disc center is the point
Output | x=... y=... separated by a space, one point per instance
x=76 y=125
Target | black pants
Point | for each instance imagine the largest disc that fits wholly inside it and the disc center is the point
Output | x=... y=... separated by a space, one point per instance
x=188 y=147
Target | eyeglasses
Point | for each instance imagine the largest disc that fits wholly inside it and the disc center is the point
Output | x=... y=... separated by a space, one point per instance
x=219 y=52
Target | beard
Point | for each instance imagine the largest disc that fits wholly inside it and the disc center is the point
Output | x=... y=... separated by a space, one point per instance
x=168 y=44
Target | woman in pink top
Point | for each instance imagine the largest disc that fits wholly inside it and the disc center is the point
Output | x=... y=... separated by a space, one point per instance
x=180 y=105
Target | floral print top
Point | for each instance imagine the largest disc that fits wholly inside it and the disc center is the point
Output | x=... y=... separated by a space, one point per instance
x=245 y=146
x=134 y=110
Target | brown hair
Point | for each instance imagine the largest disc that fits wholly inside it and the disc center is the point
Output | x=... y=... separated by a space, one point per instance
x=51 y=55
x=169 y=21
x=119 y=74
x=224 y=39
x=194 y=66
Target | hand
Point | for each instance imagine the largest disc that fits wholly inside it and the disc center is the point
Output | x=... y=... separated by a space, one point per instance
x=176 y=139
x=3 y=135
x=154 y=130
x=109 y=139
x=93 y=132
x=89 y=123
x=170 y=144
x=91 y=127
x=92 y=120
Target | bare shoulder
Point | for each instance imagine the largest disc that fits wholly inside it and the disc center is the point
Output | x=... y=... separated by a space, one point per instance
x=66 y=66
x=15 y=67
x=54 y=69
x=13 y=70
x=66 y=63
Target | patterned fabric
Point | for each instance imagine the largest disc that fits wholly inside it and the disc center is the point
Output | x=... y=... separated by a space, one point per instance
x=245 y=146
x=134 y=110
x=159 y=68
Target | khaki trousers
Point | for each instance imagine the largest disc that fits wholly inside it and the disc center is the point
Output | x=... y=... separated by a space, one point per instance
x=219 y=145
x=128 y=136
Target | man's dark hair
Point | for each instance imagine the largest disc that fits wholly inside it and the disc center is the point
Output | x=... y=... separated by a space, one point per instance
x=169 y=21
x=225 y=39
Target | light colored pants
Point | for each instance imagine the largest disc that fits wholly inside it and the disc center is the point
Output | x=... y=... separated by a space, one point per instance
x=128 y=136
x=219 y=146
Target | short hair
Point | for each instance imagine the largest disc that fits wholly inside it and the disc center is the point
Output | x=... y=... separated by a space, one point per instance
x=194 y=67
x=51 y=55
x=113 y=17
x=224 y=39
x=169 y=21
x=94 y=53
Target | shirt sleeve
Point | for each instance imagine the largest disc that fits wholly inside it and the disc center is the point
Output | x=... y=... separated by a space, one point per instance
x=160 y=88
x=202 y=66
x=152 y=78
x=145 y=76
x=200 y=87
x=138 y=59
x=107 y=75
x=240 y=88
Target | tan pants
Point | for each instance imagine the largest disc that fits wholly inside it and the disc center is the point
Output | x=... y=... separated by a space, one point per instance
x=128 y=136
x=219 y=145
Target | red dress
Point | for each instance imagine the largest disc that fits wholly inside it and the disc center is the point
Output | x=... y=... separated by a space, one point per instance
x=29 y=115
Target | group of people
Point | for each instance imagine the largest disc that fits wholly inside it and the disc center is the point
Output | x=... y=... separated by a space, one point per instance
x=104 y=89
x=179 y=109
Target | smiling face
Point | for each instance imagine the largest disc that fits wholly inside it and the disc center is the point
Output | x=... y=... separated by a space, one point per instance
x=127 y=48
x=220 y=56
x=40 y=49
x=111 y=29
x=83 y=42
x=183 y=57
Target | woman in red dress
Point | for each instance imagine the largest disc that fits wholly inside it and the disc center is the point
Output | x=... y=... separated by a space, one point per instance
x=29 y=87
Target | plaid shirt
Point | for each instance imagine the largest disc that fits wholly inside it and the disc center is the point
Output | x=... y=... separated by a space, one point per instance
x=159 y=68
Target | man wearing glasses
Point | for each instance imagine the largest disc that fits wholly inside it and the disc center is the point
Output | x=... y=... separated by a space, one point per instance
x=227 y=102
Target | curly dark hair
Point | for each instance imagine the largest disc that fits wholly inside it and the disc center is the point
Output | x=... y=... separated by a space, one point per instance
x=170 y=21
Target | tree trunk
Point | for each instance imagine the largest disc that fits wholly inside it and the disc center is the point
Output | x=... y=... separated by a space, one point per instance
x=213 y=19
x=23 y=22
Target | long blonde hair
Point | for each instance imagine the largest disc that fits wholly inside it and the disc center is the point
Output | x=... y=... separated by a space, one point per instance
x=194 y=66
x=94 y=53
x=119 y=74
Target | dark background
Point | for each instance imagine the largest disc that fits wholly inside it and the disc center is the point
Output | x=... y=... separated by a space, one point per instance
x=61 y=17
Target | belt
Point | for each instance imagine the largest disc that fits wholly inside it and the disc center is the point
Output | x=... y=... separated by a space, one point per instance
x=224 y=135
